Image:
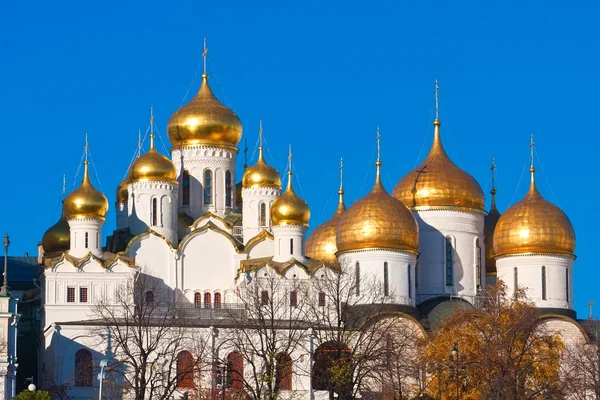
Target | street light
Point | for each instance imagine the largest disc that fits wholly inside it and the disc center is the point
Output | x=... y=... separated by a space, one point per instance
x=102 y=376
x=454 y=358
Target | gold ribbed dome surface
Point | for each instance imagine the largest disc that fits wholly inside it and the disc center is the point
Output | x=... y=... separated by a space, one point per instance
x=85 y=201
x=122 y=193
x=204 y=120
x=152 y=166
x=57 y=237
x=289 y=208
x=379 y=221
x=534 y=225
x=261 y=174
x=321 y=244
x=442 y=184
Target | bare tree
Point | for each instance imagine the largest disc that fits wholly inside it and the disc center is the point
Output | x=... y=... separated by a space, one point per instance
x=148 y=331
x=581 y=365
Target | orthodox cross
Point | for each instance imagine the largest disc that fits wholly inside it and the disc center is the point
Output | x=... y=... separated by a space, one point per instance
x=437 y=100
x=414 y=189
x=341 y=172
x=204 y=53
x=590 y=305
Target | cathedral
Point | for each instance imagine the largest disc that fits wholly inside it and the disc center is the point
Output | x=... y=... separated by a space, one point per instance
x=187 y=221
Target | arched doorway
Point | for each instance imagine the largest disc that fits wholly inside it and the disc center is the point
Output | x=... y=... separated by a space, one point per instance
x=332 y=369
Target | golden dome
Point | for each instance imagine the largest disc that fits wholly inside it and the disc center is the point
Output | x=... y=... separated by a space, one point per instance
x=289 y=209
x=534 y=225
x=378 y=220
x=152 y=166
x=58 y=236
x=440 y=184
x=85 y=201
x=261 y=174
x=321 y=244
x=204 y=120
x=122 y=193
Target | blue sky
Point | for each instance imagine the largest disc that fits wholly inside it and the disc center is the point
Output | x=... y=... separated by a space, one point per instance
x=322 y=76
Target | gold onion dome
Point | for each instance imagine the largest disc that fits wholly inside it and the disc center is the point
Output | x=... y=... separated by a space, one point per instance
x=377 y=221
x=58 y=236
x=440 y=184
x=534 y=225
x=321 y=244
x=122 y=193
x=261 y=174
x=204 y=120
x=152 y=166
x=289 y=208
x=85 y=201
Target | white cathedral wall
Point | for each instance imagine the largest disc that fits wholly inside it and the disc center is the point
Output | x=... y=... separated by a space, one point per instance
x=464 y=227
x=252 y=198
x=289 y=242
x=86 y=237
x=154 y=257
x=196 y=159
x=263 y=248
x=529 y=277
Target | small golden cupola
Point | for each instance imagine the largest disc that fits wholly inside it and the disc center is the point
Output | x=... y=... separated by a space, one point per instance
x=289 y=208
x=122 y=193
x=321 y=244
x=57 y=237
x=534 y=225
x=261 y=174
x=490 y=222
x=377 y=221
x=204 y=120
x=439 y=183
x=85 y=201
x=152 y=166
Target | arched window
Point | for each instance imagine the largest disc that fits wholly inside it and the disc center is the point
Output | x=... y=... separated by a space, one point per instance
x=409 y=282
x=263 y=214
x=294 y=298
x=567 y=285
x=283 y=371
x=477 y=264
x=357 y=278
x=516 y=281
x=208 y=184
x=87 y=241
x=84 y=368
x=217 y=300
x=291 y=246
x=386 y=280
x=207 y=300
x=228 y=190
x=235 y=371
x=449 y=261
x=321 y=299
x=185 y=188
x=185 y=370
x=149 y=296
x=543 y=282
x=198 y=299
x=154 y=212
x=264 y=298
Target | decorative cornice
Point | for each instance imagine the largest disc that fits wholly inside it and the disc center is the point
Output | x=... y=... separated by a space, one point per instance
x=530 y=254
x=184 y=147
x=462 y=209
x=410 y=251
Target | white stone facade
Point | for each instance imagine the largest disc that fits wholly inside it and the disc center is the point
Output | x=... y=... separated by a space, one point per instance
x=257 y=210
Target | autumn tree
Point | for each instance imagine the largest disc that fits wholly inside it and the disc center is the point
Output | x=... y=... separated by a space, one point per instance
x=497 y=351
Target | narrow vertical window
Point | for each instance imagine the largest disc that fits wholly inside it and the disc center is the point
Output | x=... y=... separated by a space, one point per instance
x=294 y=298
x=97 y=240
x=283 y=372
x=217 y=300
x=543 y=282
x=87 y=241
x=386 y=280
x=321 y=299
x=198 y=299
x=291 y=246
x=185 y=370
x=149 y=296
x=235 y=371
x=477 y=264
x=207 y=300
x=449 y=261
x=516 y=280
x=70 y=295
x=417 y=275
x=228 y=190
x=84 y=368
x=567 y=284
x=83 y=295
x=185 y=191
x=208 y=186
x=264 y=298
x=263 y=214
x=357 y=278
x=409 y=282
x=154 y=212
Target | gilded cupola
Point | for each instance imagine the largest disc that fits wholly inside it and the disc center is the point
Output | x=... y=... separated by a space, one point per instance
x=321 y=244
x=85 y=201
x=490 y=222
x=261 y=174
x=534 y=225
x=152 y=166
x=204 y=120
x=57 y=237
x=122 y=193
x=377 y=221
x=438 y=182
x=289 y=208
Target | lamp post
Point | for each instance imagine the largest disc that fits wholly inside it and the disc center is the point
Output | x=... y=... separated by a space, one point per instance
x=4 y=289
x=31 y=387
x=454 y=358
x=102 y=376
x=312 y=336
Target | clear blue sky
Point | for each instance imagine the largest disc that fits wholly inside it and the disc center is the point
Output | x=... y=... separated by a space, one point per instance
x=323 y=76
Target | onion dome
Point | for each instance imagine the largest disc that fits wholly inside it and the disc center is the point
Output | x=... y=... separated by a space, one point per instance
x=321 y=244
x=85 y=201
x=439 y=183
x=122 y=193
x=261 y=174
x=289 y=208
x=58 y=236
x=152 y=166
x=534 y=225
x=204 y=120
x=379 y=221
x=490 y=221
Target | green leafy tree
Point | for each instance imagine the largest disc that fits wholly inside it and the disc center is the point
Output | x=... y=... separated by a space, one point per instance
x=37 y=395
